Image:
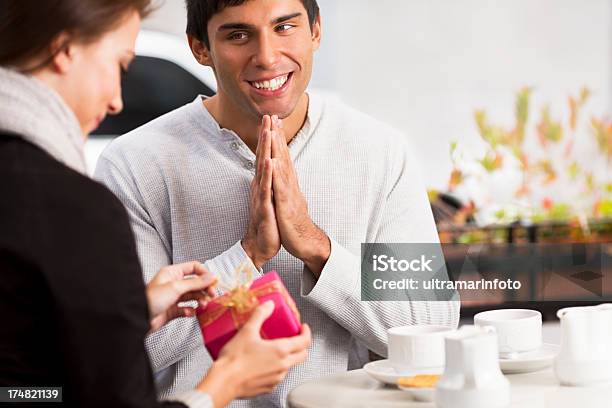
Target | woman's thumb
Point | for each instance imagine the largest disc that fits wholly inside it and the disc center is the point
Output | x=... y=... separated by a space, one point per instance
x=260 y=315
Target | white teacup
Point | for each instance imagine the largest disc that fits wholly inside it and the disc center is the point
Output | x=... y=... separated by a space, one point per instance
x=419 y=347
x=518 y=330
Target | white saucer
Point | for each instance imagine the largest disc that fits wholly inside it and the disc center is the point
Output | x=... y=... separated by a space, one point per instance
x=530 y=361
x=420 y=394
x=383 y=371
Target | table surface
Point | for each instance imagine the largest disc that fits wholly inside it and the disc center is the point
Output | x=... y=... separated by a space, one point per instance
x=357 y=389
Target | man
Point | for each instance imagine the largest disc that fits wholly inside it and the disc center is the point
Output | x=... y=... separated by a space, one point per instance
x=267 y=171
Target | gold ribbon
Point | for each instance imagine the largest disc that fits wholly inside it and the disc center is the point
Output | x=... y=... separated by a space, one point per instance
x=241 y=300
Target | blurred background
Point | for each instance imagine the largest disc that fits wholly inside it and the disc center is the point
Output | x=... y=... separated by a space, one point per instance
x=506 y=104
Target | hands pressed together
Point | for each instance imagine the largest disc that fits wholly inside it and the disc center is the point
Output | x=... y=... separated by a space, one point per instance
x=278 y=211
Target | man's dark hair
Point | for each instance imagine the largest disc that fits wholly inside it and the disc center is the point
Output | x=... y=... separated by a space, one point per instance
x=199 y=13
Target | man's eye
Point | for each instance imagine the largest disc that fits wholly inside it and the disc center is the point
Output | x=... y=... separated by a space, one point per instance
x=284 y=27
x=237 y=36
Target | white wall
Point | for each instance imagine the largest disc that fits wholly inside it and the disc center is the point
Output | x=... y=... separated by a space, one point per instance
x=425 y=65
x=169 y=16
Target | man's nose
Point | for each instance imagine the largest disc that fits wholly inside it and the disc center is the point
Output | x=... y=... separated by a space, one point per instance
x=267 y=53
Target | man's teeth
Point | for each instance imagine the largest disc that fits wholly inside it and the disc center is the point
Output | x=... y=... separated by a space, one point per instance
x=271 y=85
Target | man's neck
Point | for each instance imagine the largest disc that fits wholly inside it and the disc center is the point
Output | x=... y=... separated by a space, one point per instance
x=247 y=128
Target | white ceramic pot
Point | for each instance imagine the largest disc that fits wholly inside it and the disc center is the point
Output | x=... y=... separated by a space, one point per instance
x=472 y=377
x=585 y=357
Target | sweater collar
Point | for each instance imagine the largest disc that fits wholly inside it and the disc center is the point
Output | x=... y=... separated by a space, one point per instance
x=312 y=118
x=315 y=110
x=31 y=110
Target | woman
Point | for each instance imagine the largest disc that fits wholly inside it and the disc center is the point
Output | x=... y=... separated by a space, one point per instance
x=71 y=292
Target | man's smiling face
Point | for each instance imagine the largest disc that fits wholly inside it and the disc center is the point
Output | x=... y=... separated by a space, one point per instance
x=262 y=54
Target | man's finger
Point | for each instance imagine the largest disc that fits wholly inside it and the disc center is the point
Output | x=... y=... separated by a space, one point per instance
x=277 y=185
x=266 y=182
x=268 y=146
x=261 y=147
x=258 y=154
x=259 y=137
x=282 y=141
x=274 y=144
x=285 y=148
x=264 y=154
x=258 y=150
x=279 y=137
x=278 y=181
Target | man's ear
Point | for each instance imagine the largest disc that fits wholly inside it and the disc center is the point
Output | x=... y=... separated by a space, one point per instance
x=200 y=51
x=62 y=50
x=316 y=33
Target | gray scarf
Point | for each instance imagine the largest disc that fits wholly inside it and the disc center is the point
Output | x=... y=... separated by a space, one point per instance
x=33 y=111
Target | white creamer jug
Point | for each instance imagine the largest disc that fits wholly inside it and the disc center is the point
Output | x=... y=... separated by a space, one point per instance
x=585 y=356
x=472 y=377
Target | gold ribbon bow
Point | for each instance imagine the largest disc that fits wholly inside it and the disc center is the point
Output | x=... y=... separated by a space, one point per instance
x=241 y=300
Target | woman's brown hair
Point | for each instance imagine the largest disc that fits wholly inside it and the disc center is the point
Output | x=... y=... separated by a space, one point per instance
x=28 y=27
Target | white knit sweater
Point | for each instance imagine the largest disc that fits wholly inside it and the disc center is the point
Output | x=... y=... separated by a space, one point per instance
x=185 y=183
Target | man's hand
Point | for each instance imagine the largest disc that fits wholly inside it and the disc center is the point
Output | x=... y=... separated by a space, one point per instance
x=175 y=284
x=262 y=240
x=298 y=234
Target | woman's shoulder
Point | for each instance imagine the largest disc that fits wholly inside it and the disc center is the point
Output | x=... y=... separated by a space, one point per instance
x=35 y=181
x=60 y=219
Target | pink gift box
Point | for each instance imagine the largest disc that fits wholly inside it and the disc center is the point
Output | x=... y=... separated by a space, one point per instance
x=220 y=320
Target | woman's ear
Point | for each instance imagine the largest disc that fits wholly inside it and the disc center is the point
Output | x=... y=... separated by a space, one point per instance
x=62 y=50
x=200 y=51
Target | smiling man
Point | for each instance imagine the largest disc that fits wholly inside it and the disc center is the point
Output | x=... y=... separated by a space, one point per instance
x=266 y=171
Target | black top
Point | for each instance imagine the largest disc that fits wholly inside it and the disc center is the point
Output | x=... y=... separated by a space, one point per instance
x=72 y=299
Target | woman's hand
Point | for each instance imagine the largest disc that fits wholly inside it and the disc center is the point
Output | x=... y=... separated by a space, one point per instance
x=176 y=284
x=249 y=365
